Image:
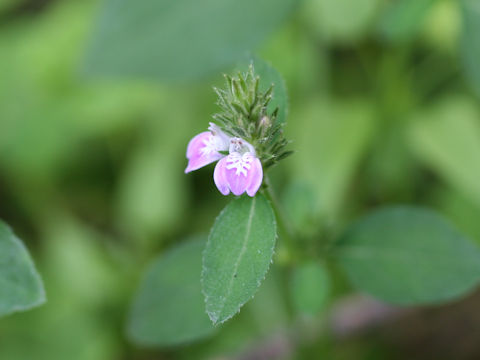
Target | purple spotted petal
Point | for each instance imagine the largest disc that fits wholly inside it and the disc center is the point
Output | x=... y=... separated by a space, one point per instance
x=203 y=150
x=238 y=174
x=219 y=177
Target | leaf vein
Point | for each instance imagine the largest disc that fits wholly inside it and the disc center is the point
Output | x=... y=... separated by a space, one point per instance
x=240 y=255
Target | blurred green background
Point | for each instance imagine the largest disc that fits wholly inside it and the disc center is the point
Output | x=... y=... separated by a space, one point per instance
x=383 y=109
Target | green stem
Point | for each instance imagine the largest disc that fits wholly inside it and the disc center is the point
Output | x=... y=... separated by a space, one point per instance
x=282 y=219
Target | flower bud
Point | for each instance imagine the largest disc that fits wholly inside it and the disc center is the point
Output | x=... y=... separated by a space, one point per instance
x=264 y=125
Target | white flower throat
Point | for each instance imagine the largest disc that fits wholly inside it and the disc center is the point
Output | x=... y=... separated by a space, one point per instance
x=241 y=156
x=241 y=163
x=212 y=144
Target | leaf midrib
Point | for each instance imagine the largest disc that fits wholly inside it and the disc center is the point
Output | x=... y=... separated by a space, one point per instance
x=240 y=255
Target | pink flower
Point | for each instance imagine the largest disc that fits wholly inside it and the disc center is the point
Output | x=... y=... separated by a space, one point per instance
x=204 y=148
x=240 y=171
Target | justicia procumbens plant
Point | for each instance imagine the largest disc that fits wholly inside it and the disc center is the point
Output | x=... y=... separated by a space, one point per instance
x=245 y=140
x=405 y=254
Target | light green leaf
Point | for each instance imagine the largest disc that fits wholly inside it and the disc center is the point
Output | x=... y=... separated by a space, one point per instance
x=298 y=201
x=85 y=285
x=168 y=308
x=330 y=139
x=310 y=285
x=237 y=256
x=463 y=212
x=265 y=315
x=407 y=255
x=443 y=25
x=21 y=287
x=341 y=20
x=470 y=41
x=447 y=138
x=179 y=39
x=402 y=19
x=151 y=194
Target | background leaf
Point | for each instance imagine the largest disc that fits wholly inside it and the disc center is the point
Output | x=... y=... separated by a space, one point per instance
x=168 y=308
x=298 y=200
x=237 y=256
x=447 y=138
x=310 y=285
x=179 y=39
x=408 y=255
x=21 y=287
x=338 y=135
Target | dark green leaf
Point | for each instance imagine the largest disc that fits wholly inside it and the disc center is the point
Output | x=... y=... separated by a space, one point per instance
x=408 y=255
x=21 y=287
x=237 y=256
x=168 y=308
x=179 y=39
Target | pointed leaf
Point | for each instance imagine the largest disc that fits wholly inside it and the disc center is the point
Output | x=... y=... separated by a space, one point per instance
x=446 y=137
x=21 y=287
x=237 y=256
x=168 y=308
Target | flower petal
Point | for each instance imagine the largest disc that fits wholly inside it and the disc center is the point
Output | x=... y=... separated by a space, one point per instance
x=237 y=182
x=202 y=151
x=256 y=177
x=219 y=177
x=196 y=142
x=239 y=172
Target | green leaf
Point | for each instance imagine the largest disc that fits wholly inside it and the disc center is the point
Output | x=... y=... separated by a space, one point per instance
x=463 y=212
x=21 y=287
x=298 y=200
x=151 y=194
x=470 y=42
x=402 y=19
x=337 y=137
x=168 y=308
x=447 y=138
x=407 y=255
x=85 y=285
x=237 y=256
x=310 y=285
x=179 y=39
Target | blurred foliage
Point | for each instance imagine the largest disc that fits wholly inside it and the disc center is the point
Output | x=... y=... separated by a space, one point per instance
x=409 y=275
x=384 y=109
x=171 y=289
